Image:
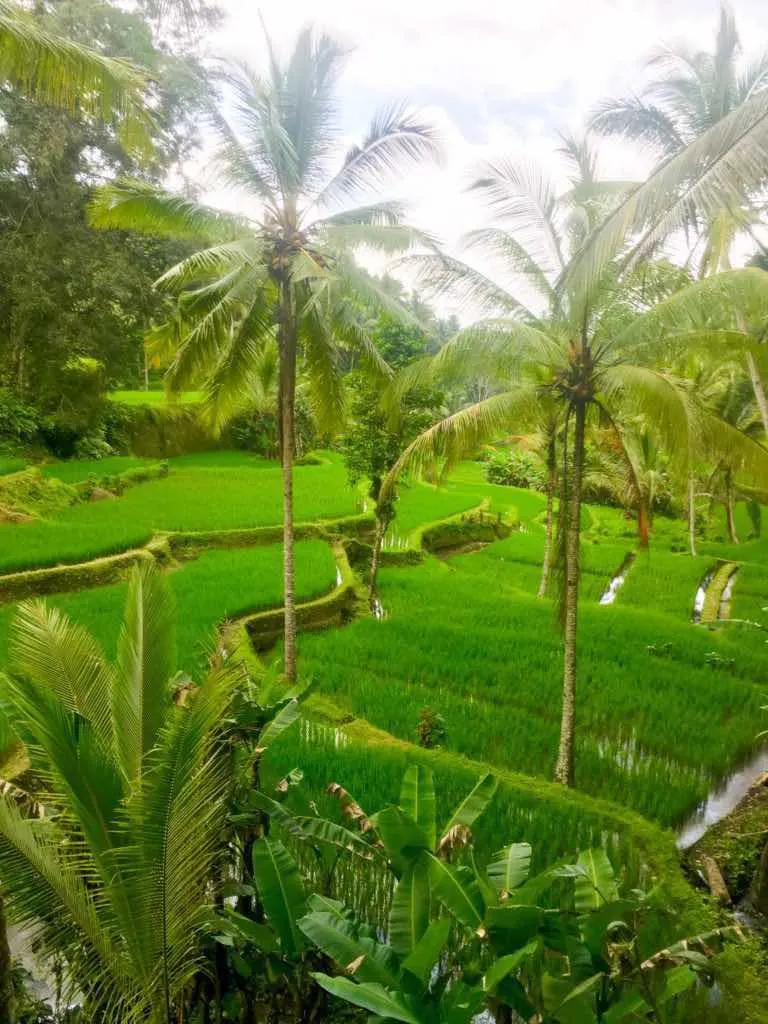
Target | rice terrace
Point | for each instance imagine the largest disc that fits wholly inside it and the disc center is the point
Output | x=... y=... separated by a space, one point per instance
x=383 y=576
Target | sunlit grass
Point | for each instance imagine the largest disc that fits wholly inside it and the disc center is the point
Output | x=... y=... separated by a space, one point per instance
x=10 y=464
x=654 y=731
x=72 y=471
x=211 y=493
x=154 y=398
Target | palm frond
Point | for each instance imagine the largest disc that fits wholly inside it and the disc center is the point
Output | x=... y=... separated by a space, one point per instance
x=258 y=113
x=139 y=206
x=47 y=894
x=638 y=121
x=62 y=659
x=395 y=140
x=450 y=440
x=499 y=349
x=308 y=110
x=658 y=398
x=212 y=263
x=439 y=275
x=240 y=166
x=177 y=817
x=391 y=239
x=212 y=313
x=146 y=661
x=387 y=212
x=499 y=245
x=231 y=384
x=522 y=197
x=61 y=73
x=722 y=302
x=719 y=168
x=320 y=358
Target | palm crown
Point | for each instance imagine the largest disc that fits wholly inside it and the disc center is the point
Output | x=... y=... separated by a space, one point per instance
x=581 y=355
x=692 y=91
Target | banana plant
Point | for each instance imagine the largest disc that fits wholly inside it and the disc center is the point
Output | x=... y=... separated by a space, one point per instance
x=562 y=947
x=266 y=944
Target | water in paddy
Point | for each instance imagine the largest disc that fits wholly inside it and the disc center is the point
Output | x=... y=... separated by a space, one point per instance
x=722 y=800
x=609 y=595
x=724 y=610
x=701 y=596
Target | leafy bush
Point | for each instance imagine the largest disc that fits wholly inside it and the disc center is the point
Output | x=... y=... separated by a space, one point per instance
x=93 y=445
x=78 y=407
x=18 y=421
x=256 y=431
x=430 y=729
x=516 y=468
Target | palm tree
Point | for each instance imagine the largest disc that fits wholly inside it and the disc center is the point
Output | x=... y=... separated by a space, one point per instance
x=628 y=464
x=692 y=97
x=112 y=878
x=691 y=93
x=716 y=160
x=576 y=355
x=61 y=73
x=288 y=272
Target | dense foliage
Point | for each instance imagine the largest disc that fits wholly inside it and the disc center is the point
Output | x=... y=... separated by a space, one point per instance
x=185 y=834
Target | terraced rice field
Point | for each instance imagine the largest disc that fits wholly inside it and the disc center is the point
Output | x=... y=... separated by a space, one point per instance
x=665 y=708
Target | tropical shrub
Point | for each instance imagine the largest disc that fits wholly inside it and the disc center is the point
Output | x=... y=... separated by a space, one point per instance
x=18 y=420
x=430 y=729
x=515 y=468
x=563 y=946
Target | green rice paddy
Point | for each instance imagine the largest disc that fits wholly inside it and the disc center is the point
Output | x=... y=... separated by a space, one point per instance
x=218 y=585
x=217 y=491
x=73 y=471
x=10 y=464
x=660 y=720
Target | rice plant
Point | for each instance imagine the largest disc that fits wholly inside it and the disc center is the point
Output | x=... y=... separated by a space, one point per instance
x=199 y=494
x=216 y=586
x=655 y=733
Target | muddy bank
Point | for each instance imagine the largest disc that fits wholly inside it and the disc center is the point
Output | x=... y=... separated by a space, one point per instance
x=735 y=846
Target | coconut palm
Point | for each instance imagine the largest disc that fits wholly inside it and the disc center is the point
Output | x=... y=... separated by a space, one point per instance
x=286 y=272
x=112 y=878
x=692 y=97
x=713 y=128
x=580 y=356
x=690 y=93
x=59 y=72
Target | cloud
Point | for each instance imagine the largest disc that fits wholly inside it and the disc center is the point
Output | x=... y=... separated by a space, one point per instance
x=505 y=77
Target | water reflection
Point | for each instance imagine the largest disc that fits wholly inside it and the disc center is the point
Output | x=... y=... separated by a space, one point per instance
x=609 y=596
x=723 y=800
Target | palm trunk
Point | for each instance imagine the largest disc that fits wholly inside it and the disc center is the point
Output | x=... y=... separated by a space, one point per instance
x=732 y=535
x=7 y=1000
x=564 y=770
x=692 y=514
x=757 y=387
x=643 y=522
x=287 y=340
x=546 y=566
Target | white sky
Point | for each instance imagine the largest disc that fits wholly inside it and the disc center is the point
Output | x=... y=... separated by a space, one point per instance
x=497 y=76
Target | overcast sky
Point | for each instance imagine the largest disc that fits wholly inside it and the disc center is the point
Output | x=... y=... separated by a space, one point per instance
x=497 y=76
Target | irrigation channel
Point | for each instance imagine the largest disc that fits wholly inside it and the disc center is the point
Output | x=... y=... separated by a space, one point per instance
x=617 y=582
x=722 y=800
x=711 y=603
